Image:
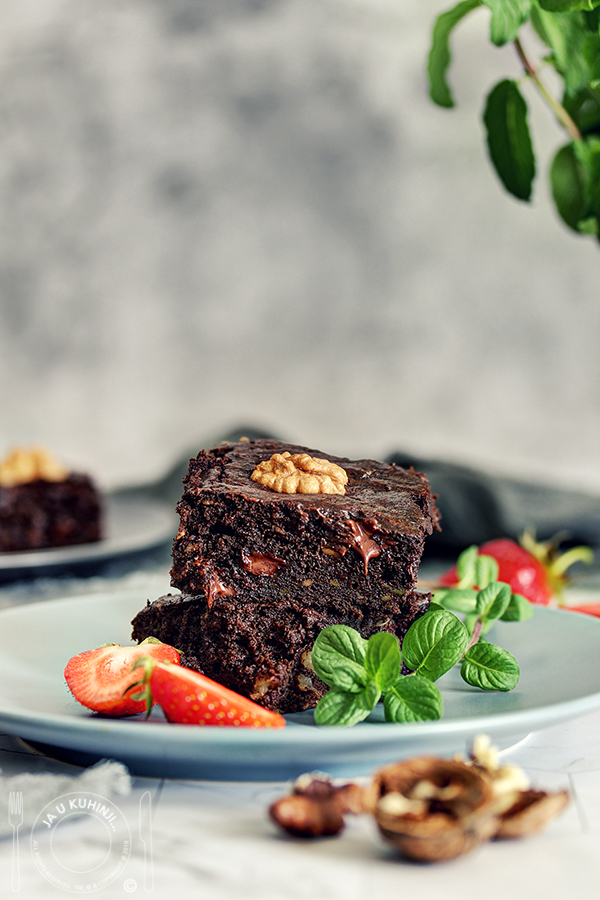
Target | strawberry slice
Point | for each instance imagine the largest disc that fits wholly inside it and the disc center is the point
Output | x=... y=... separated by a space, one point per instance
x=536 y=570
x=189 y=698
x=102 y=680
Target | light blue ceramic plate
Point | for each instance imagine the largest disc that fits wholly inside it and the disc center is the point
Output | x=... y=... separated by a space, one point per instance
x=559 y=654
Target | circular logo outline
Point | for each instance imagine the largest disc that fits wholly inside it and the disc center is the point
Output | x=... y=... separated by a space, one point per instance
x=81 y=803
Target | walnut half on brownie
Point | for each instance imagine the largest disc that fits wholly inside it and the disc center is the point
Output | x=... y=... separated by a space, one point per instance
x=275 y=542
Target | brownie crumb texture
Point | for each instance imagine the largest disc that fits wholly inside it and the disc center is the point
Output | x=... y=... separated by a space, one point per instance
x=262 y=572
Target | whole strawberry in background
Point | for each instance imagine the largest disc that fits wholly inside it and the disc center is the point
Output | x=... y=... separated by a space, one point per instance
x=536 y=570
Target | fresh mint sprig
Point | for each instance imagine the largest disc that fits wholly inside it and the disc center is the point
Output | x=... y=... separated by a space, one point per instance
x=360 y=672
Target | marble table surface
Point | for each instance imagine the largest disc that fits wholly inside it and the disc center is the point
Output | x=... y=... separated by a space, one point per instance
x=214 y=839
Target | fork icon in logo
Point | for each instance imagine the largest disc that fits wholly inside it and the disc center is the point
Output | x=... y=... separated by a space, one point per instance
x=15 y=819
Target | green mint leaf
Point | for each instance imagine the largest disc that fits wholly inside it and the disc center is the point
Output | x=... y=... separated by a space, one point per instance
x=593 y=19
x=493 y=600
x=584 y=106
x=565 y=34
x=413 y=698
x=341 y=708
x=439 y=55
x=465 y=567
x=507 y=18
x=486 y=570
x=490 y=668
x=591 y=226
x=568 y=179
x=519 y=609
x=457 y=599
x=588 y=154
x=434 y=643
x=509 y=144
x=338 y=657
x=470 y=621
x=590 y=48
x=433 y=607
x=383 y=659
x=568 y=5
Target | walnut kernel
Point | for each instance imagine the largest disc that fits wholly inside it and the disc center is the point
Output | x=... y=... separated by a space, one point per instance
x=22 y=466
x=316 y=807
x=300 y=473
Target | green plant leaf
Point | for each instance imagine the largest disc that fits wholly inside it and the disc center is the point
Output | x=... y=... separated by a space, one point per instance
x=459 y=600
x=584 y=106
x=383 y=659
x=433 y=607
x=341 y=708
x=565 y=34
x=568 y=5
x=591 y=226
x=439 y=55
x=413 y=698
x=493 y=600
x=519 y=609
x=509 y=144
x=434 y=643
x=575 y=179
x=490 y=668
x=466 y=565
x=507 y=17
x=588 y=153
x=591 y=53
x=569 y=186
x=486 y=570
x=338 y=657
x=593 y=20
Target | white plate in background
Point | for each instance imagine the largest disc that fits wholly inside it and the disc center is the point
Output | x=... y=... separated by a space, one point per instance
x=132 y=524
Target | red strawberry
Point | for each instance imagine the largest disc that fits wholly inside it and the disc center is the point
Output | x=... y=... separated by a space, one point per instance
x=534 y=570
x=592 y=609
x=189 y=698
x=102 y=679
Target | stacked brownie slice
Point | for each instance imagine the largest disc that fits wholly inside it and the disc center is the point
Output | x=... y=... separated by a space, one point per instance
x=261 y=571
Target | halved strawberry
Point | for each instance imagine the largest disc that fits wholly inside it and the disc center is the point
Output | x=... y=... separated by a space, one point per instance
x=189 y=698
x=102 y=680
x=536 y=570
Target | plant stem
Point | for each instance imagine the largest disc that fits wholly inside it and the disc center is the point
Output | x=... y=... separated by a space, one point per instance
x=557 y=108
x=475 y=636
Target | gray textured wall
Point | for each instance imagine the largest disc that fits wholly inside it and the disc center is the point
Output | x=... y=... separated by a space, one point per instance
x=249 y=211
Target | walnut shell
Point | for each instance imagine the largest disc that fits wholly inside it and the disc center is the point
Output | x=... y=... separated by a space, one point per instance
x=531 y=813
x=452 y=808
